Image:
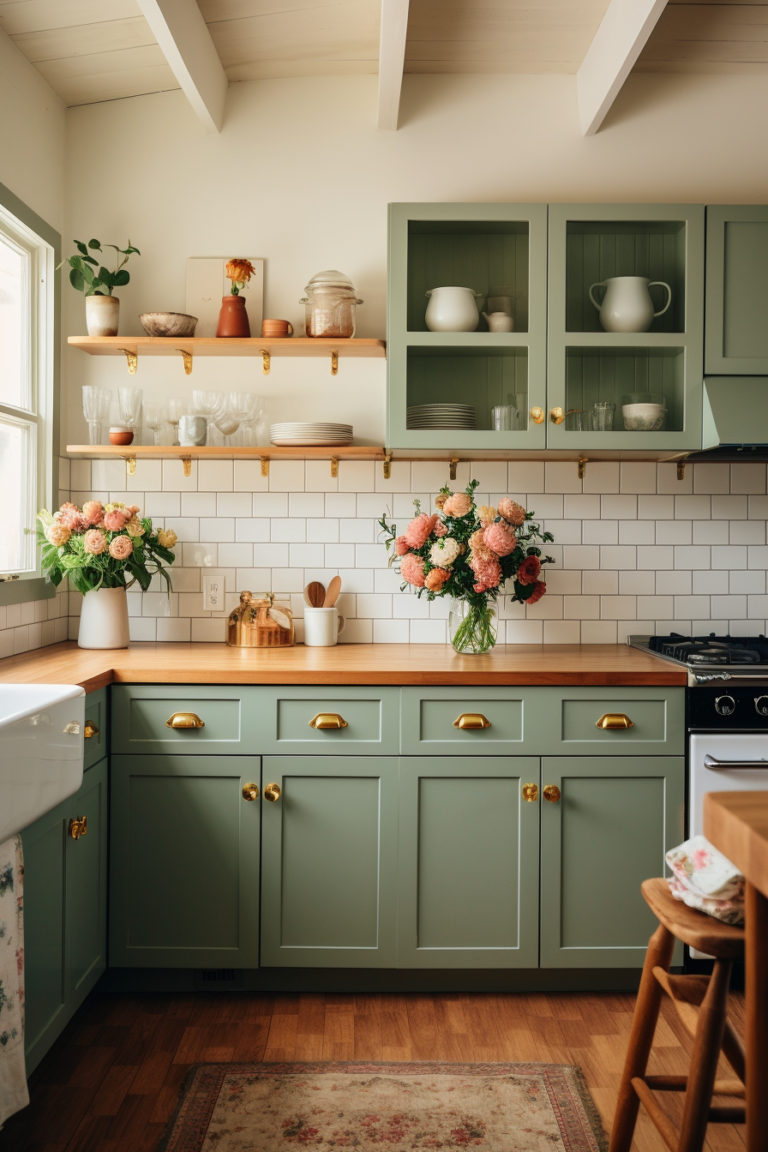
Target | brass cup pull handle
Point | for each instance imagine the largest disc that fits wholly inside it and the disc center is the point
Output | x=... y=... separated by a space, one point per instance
x=471 y=721
x=552 y=793
x=78 y=826
x=556 y=415
x=325 y=720
x=537 y=415
x=90 y=729
x=250 y=791
x=614 y=721
x=184 y=720
x=273 y=792
x=530 y=792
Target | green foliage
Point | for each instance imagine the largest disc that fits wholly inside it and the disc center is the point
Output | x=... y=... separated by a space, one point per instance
x=90 y=276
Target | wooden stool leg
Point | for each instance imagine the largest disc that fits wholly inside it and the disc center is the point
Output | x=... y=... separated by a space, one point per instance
x=706 y=1053
x=659 y=955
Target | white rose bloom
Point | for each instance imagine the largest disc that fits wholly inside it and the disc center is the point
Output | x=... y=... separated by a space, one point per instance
x=444 y=552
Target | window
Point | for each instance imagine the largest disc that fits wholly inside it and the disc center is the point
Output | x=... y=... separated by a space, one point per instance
x=27 y=331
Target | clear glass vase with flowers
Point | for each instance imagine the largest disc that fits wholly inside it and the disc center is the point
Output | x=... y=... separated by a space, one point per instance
x=471 y=554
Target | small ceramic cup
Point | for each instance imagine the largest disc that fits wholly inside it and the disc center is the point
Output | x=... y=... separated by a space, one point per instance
x=192 y=431
x=322 y=627
x=276 y=329
x=120 y=434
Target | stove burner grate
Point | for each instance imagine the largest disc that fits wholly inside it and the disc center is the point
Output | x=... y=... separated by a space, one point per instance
x=712 y=649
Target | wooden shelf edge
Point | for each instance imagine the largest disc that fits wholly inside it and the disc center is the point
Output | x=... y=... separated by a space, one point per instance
x=267 y=452
x=211 y=346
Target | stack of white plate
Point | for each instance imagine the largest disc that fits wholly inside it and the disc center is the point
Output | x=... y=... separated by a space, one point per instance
x=441 y=416
x=315 y=435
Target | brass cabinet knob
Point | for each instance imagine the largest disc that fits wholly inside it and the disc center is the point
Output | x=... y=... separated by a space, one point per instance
x=328 y=720
x=90 y=729
x=250 y=792
x=78 y=826
x=556 y=415
x=184 y=720
x=530 y=792
x=272 y=792
x=614 y=721
x=551 y=793
x=470 y=721
x=537 y=415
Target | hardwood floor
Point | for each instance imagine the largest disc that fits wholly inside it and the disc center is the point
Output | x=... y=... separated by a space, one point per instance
x=112 y=1081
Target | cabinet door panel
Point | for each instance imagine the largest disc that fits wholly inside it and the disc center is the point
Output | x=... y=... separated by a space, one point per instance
x=468 y=868
x=606 y=834
x=44 y=846
x=86 y=865
x=96 y=744
x=737 y=290
x=329 y=862
x=184 y=862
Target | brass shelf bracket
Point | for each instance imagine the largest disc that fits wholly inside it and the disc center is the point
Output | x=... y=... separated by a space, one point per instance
x=186 y=463
x=266 y=361
x=681 y=469
x=334 y=466
x=583 y=466
x=265 y=465
x=454 y=465
x=187 y=358
x=132 y=361
x=130 y=465
x=334 y=363
x=386 y=466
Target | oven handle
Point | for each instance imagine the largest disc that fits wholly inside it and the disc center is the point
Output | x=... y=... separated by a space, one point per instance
x=727 y=765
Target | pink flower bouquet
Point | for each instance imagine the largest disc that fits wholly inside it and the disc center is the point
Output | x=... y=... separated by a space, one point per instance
x=469 y=553
x=103 y=546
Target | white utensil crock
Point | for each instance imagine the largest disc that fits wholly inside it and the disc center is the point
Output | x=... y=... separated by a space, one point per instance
x=104 y=619
x=627 y=305
x=322 y=627
x=102 y=315
x=452 y=309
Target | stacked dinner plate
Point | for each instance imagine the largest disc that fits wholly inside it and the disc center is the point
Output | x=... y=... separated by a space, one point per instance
x=315 y=435
x=441 y=416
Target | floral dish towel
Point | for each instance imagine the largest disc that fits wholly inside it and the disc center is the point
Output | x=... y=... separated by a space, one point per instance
x=13 y=1073
x=704 y=879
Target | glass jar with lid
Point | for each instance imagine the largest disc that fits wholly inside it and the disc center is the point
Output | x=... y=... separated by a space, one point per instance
x=329 y=306
x=261 y=621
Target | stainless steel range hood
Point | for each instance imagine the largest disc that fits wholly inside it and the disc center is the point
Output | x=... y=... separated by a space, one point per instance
x=735 y=419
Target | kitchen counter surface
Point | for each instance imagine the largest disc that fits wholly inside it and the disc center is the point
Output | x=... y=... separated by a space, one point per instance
x=436 y=664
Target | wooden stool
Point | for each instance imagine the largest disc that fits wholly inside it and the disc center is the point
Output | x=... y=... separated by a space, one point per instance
x=701 y=1002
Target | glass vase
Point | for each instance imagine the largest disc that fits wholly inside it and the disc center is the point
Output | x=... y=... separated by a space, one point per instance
x=473 y=625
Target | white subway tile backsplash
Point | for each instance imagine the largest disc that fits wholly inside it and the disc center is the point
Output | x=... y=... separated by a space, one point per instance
x=428 y=632
x=746 y=582
x=308 y=504
x=638 y=583
x=339 y=555
x=318 y=478
x=674 y=583
x=749 y=478
x=581 y=607
x=524 y=632
x=600 y=531
x=525 y=476
x=638 y=476
x=747 y=532
x=655 y=507
x=637 y=532
x=655 y=608
x=598 y=632
x=710 y=583
x=216 y=475
x=692 y=557
x=579 y=556
x=618 y=557
x=561 y=476
x=391 y=631
x=618 y=507
x=601 y=476
x=674 y=531
x=710 y=531
x=618 y=607
x=711 y=478
x=321 y=530
x=248 y=478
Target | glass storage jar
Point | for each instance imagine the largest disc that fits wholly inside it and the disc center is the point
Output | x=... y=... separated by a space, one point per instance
x=329 y=306
x=261 y=621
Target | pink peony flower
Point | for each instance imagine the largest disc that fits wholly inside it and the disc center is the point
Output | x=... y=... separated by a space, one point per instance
x=512 y=511
x=499 y=540
x=93 y=512
x=412 y=570
x=478 y=545
x=71 y=517
x=539 y=589
x=436 y=578
x=458 y=504
x=528 y=572
x=401 y=546
x=133 y=509
x=94 y=541
x=134 y=527
x=445 y=552
x=440 y=529
x=486 y=514
x=419 y=530
x=57 y=534
x=116 y=520
x=440 y=501
x=488 y=572
x=121 y=548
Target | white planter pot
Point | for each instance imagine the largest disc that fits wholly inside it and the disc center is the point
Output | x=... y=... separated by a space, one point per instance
x=104 y=619
x=102 y=315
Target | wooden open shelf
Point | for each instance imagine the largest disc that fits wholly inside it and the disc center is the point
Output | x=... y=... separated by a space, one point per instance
x=214 y=452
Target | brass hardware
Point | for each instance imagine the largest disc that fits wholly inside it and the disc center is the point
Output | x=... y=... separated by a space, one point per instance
x=130 y=465
x=334 y=466
x=328 y=720
x=265 y=465
x=471 y=721
x=186 y=463
x=582 y=467
x=551 y=793
x=184 y=720
x=272 y=792
x=250 y=792
x=681 y=469
x=78 y=826
x=614 y=721
x=90 y=729
x=266 y=361
x=556 y=415
x=452 y=472
x=387 y=466
x=530 y=792
x=72 y=729
x=132 y=360
x=537 y=415
x=334 y=363
x=10 y=576
x=187 y=358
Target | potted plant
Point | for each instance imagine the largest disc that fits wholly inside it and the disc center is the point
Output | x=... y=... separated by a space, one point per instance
x=233 y=318
x=88 y=275
x=97 y=547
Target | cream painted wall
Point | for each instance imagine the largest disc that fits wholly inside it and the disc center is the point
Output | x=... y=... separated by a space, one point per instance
x=301 y=176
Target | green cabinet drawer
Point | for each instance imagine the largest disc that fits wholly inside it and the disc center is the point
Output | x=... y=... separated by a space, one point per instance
x=565 y=721
x=223 y=719
x=96 y=742
x=464 y=721
x=367 y=718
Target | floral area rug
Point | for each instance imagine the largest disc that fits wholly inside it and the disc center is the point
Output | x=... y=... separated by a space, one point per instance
x=377 y=1107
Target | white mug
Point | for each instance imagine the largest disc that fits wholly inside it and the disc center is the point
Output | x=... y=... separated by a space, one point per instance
x=322 y=626
x=192 y=431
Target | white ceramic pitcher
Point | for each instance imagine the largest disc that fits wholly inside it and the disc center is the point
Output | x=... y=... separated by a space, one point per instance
x=452 y=309
x=627 y=305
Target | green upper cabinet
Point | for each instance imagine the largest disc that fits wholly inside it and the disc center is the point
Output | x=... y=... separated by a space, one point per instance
x=737 y=290
x=496 y=250
x=588 y=245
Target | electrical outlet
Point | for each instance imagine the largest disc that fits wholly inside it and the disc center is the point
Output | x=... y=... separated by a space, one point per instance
x=213 y=591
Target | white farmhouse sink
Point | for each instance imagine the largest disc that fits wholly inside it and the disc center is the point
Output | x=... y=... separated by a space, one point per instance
x=41 y=750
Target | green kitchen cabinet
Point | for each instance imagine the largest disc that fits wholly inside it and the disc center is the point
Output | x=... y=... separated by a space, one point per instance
x=736 y=341
x=196 y=719
x=65 y=910
x=184 y=861
x=96 y=732
x=605 y=833
x=468 y=863
x=329 y=862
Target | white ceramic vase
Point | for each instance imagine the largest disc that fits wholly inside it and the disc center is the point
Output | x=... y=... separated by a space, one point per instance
x=627 y=305
x=102 y=315
x=452 y=309
x=104 y=619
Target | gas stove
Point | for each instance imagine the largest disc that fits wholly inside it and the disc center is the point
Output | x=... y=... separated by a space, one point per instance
x=711 y=658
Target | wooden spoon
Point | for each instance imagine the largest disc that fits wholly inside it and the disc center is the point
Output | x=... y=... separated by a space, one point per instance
x=314 y=594
x=332 y=595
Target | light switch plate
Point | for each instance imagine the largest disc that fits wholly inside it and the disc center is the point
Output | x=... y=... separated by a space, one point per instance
x=213 y=591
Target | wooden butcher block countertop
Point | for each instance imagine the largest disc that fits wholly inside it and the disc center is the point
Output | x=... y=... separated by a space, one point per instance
x=421 y=664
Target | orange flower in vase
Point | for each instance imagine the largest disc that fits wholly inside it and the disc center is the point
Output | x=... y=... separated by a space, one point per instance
x=233 y=318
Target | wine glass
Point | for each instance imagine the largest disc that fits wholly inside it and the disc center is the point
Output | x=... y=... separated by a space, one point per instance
x=225 y=420
x=154 y=418
x=204 y=403
x=129 y=403
x=248 y=408
x=96 y=405
x=174 y=410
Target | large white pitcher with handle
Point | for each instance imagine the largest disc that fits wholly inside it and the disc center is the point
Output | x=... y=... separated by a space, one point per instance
x=627 y=305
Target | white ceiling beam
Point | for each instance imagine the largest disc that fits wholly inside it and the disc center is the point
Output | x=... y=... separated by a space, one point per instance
x=618 y=42
x=183 y=35
x=394 y=28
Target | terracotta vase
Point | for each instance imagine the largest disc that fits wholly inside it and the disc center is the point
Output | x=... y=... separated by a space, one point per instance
x=233 y=318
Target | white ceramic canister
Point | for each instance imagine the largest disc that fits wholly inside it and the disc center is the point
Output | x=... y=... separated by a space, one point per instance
x=102 y=315
x=627 y=305
x=322 y=627
x=104 y=619
x=452 y=309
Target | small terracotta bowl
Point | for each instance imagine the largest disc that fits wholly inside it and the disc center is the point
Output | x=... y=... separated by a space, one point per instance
x=119 y=434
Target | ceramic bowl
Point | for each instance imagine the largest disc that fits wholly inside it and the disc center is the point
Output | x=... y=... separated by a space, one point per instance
x=120 y=434
x=644 y=417
x=168 y=323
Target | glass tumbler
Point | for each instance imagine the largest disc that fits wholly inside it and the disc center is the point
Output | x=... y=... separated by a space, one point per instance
x=602 y=416
x=129 y=402
x=504 y=418
x=96 y=405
